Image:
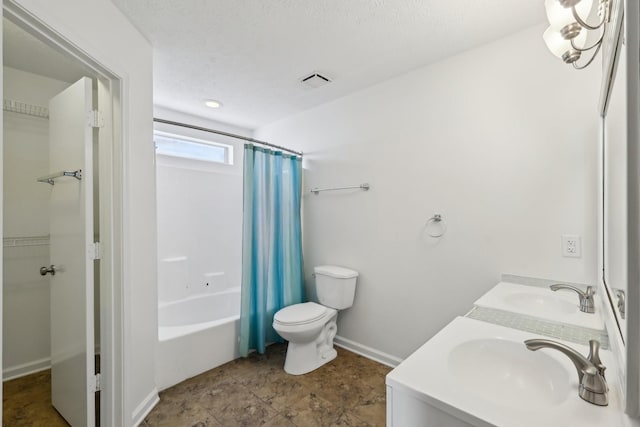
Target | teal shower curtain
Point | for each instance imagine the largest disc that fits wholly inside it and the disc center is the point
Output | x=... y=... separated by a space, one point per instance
x=271 y=243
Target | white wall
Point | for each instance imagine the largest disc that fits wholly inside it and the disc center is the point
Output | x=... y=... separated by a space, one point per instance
x=500 y=140
x=199 y=215
x=26 y=293
x=26 y=140
x=98 y=28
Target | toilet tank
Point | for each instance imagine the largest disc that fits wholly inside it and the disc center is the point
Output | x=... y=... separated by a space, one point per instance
x=335 y=286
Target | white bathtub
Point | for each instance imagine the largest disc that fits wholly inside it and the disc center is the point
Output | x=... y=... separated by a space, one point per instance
x=196 y=334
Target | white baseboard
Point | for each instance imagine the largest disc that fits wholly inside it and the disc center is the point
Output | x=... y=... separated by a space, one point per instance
x=143 y=409
x=368 y=352
x=13 y=372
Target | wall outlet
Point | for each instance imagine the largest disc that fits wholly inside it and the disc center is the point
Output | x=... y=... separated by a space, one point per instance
x=571 y=246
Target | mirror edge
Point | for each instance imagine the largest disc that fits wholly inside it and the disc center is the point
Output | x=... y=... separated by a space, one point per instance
x=627 y=352
x=609 y=55
x=632 y=35
x=611 y=72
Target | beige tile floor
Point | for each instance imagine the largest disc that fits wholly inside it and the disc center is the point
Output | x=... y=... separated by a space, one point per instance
x=26 y=401
x=349 y=391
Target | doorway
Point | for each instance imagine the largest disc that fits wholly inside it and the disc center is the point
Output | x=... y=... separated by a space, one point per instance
x=54 y=114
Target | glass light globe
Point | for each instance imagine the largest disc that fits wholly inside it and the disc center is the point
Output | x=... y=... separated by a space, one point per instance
x=560 y=16
x=558 y=45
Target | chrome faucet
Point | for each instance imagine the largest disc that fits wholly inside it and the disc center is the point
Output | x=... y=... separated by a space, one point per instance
x=587 y=304
x=593 y=385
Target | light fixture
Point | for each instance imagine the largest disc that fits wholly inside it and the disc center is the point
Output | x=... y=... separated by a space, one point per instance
x=567 y=35
x=212 y=103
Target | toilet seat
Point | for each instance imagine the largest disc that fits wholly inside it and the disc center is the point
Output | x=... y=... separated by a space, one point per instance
x=300 y=314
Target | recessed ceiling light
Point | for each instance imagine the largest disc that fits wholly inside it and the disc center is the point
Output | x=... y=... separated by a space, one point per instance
x=211 y=103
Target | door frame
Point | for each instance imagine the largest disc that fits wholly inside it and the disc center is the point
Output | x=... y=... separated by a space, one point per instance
x=111 y=204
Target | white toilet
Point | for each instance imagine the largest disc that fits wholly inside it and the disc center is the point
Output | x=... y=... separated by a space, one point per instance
x=310 y=327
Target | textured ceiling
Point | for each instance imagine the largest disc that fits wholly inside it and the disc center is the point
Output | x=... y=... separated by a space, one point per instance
x=251 y=54
x=24 y=52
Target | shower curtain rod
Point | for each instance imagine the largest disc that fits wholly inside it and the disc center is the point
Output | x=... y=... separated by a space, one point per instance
x=231 y=135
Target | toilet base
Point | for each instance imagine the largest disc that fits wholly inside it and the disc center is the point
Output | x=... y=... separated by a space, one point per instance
x=303 y=358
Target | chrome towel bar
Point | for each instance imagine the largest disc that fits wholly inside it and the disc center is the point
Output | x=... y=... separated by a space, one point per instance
x=50 y=179
x=364 y=187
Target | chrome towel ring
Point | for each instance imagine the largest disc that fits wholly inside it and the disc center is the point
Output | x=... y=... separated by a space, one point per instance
x=437 y=222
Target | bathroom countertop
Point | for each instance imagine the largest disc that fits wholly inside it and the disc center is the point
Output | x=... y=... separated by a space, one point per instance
x=427 y=375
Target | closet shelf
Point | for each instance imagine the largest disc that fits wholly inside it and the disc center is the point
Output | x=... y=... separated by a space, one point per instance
x=15 y=242
x=24 y=108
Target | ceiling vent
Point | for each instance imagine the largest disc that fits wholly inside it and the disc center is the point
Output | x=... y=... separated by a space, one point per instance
x=315 y=80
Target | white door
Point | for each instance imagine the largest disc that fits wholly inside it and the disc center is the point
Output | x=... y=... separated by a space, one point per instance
x=71 y=252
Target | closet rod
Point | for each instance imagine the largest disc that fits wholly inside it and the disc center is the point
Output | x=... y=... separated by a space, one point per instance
x=232 y=135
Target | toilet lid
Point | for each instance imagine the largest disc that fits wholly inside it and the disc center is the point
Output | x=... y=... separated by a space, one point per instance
x=298 y=314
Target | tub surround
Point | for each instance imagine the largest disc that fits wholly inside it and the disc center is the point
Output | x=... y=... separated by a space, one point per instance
x=207 y=325
x=199 y=207
x=197 y=312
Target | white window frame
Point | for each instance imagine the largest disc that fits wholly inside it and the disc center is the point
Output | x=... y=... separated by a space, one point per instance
x=228 y=148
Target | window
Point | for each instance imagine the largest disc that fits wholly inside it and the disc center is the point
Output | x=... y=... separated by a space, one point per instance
x=191 y=148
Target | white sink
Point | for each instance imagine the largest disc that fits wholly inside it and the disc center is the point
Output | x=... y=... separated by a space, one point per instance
x=531 y=301
x=560 y=306
x=508 y=374
x=483 y=375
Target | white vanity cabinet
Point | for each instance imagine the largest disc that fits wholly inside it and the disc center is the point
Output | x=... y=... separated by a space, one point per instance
x=404 y=408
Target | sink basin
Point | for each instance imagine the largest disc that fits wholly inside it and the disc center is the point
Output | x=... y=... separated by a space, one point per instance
x=541 y=302
x=508 y=374
x=483 y=375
